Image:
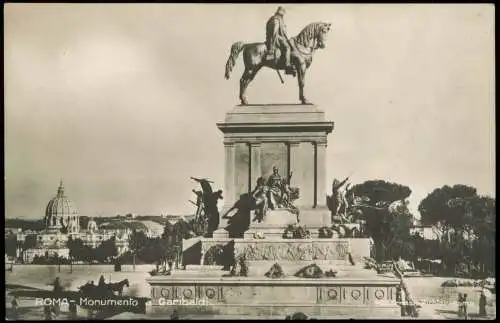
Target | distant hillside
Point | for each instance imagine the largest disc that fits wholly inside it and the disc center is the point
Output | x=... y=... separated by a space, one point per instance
x=139 y=222
x=115 y=225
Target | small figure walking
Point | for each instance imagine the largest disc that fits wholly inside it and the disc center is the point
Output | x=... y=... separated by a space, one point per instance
x=57 y=286
x=58 y=289
x=400 y=298
x=482 y=304
x=462 y=305
x=73 y=311
x=174 y=316
x=102 y=282
x=459 y=302
x=15 y=304
x=48 y=312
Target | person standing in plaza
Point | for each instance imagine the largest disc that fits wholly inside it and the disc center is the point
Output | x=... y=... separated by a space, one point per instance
x=482 y=304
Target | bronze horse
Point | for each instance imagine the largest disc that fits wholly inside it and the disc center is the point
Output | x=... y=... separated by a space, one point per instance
x=106 y=289
x=311 y=38
x=118 y=287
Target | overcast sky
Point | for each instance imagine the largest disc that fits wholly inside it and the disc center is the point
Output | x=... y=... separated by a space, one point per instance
x=121 y=100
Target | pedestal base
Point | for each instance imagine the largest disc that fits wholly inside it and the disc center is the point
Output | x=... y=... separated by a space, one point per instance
x=220 y=234
x=290 y=137
x=315 y=217
x=262 y=297
x=274 y=219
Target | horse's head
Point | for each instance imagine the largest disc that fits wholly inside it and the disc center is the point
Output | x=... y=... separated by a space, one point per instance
x=313 y=36
x=126 y=282
x=322 y=32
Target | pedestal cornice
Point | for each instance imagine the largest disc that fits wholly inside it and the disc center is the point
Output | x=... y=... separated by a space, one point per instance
x=244 y=127
x=282 y=118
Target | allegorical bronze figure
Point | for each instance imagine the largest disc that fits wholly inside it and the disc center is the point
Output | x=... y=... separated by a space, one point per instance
x=337 y=201
x=207 y=213
x=294 y=55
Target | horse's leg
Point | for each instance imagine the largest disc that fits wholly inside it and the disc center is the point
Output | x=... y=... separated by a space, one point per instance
x=246 y=78
x=301 y=73
x=244 y=81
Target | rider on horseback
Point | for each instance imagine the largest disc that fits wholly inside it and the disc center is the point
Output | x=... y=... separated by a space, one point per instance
x=102 y=282
x=276 y=37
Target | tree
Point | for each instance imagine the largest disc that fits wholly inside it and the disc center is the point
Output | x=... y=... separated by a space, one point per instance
x=381 y=191
x=477 y=226
x=30 y=242
x=435 y=207
x=388 y=226
x=11 y=245
x=137 y=240
x=106 y=250
x=78 y=250
x=466 y=222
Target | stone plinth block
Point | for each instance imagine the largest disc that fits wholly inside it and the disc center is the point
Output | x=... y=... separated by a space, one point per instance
x=290 y=137
x=275 y=113
x=315 y=217
x=220 y=233
x=275 y=219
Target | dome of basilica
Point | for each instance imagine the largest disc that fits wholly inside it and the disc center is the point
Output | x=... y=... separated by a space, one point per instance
x=61 y=213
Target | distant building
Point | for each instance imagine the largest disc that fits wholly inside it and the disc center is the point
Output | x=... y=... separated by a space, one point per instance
x=12 y=230
x=130 y=217
x=62 y=221
x=434 y=232
x=153 y=229
x=428 y=232
x=39 y=251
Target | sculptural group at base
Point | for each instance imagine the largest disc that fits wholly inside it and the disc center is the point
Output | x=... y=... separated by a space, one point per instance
x=279 y=263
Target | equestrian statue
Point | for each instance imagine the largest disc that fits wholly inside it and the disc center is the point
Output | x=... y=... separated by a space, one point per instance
x=279 y=52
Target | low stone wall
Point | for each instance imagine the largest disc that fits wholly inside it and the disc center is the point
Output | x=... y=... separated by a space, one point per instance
x=275 y=297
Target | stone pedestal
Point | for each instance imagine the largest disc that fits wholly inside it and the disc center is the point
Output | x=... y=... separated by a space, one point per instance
x=220 y=234
x=290 y=137
x=347 y=297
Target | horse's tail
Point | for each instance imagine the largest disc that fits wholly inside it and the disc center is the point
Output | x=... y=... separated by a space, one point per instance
x=231 y=61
